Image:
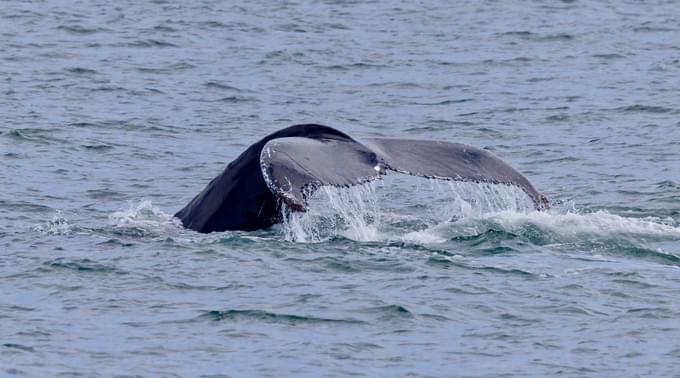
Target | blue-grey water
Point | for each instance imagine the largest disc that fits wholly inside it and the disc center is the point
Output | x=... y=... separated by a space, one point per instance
x=114 y=114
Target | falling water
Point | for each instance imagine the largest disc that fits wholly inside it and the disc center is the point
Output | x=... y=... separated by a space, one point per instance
x=379 y=210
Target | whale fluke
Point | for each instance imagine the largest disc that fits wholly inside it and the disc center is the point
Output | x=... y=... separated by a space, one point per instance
x=450 y=161
x=288 y=165
x=294 y=167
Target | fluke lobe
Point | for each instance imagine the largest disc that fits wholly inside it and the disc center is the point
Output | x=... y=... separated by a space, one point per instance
x=286 y=167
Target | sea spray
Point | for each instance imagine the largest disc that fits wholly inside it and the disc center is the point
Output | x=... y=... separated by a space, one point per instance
x=350 y=212
x=58 y=225
x=381 y=210
x=143 y=219
x=430 y=211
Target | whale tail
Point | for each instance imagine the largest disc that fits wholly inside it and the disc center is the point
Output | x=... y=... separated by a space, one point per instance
x=290 y=164
x=295 y=167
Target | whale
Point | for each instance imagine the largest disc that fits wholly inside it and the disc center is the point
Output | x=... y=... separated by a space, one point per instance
x=285 y=167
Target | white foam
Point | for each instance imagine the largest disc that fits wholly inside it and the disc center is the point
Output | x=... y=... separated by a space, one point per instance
x=431 y=235
x=561 y=227
x=434 y=211
x=58 y=225
x=143 y=218
x=600 y=223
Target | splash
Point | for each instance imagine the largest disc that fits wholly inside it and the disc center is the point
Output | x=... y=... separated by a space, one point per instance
x=349 y=212
x=58 y=225
x=427 y=211
x=377 y=211
x=143 y=219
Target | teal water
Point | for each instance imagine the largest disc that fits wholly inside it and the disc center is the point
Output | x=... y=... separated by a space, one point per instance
x=115 y=114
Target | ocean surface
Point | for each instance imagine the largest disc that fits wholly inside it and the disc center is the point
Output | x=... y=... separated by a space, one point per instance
x=114 y=114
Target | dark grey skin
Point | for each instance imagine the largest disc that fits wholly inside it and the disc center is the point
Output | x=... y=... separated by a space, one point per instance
x=286 y=166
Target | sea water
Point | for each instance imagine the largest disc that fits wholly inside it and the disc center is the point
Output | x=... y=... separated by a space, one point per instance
x=115 y=114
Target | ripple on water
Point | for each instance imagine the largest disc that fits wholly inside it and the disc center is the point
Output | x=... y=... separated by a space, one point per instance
x=448 y=262
x=388 y=313
x=82 y=30
x=38 y=136
x=172 y=68
x=82 y=265
x=81 y=71
x=271 y=317
x=639 y=108
x=222 y=86
x=146 y=43
x=19 y=347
